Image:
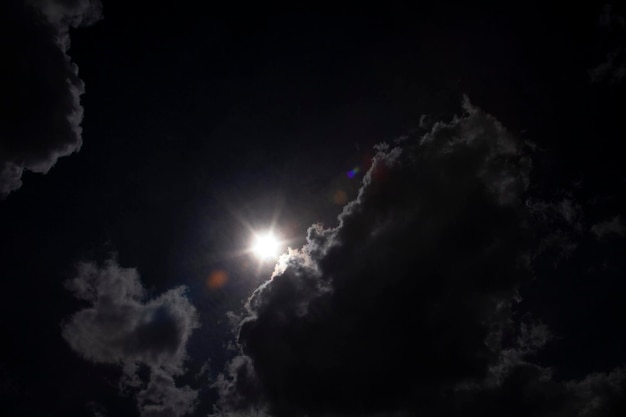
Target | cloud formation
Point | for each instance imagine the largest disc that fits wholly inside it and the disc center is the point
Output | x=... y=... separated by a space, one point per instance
x=120 y=328
x=607 y=228
x=407 y=305
x=612 y=42
x=40 y=110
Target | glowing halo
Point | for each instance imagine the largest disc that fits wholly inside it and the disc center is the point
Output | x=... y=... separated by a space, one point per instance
x=266 y=246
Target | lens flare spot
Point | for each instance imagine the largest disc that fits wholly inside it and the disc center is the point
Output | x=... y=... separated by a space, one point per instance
x=217 y=279
x=340 y=197
x=352 y=173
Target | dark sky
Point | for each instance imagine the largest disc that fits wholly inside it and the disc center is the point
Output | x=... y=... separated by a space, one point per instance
x=448 y=178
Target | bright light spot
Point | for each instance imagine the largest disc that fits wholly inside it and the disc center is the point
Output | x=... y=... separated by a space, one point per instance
x=266 y=246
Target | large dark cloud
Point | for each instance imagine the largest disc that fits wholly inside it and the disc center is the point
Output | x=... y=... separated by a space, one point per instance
x=407 y=305
x=120 y=328
x=40 y=110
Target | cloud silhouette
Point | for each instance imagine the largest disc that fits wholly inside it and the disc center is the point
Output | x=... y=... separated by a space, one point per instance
x=406 y=307
x=40 y=110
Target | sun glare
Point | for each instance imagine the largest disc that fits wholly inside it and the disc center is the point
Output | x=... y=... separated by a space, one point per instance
x=265 y=246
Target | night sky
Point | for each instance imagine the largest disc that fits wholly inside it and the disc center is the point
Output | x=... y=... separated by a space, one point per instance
x=446 y=183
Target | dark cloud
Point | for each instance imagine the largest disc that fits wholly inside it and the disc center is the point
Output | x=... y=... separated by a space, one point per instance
x=395 y=304
x=561 y=222
x=96 y=409
x=65 y=13
x=120 y=328
x=40 y=110
x=612 y=42
x=407 y=305
x=530 y=390
x=162 y=398
x=605 y=229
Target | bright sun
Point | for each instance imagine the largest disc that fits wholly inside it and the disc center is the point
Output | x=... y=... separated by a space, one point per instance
x=265 y=246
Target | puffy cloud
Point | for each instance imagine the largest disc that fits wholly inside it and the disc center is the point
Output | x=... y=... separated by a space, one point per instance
x=162 y=398
x=40 y=105
x=405 y=307
x=396 y=303
x=120 y=328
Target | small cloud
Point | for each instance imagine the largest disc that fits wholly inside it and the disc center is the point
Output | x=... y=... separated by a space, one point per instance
x=609 y=228
x=612 y=37
x=120 y=327
x=569 y=210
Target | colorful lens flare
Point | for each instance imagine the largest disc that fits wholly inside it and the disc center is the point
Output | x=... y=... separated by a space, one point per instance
x=217 y=279
x=352 y=173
